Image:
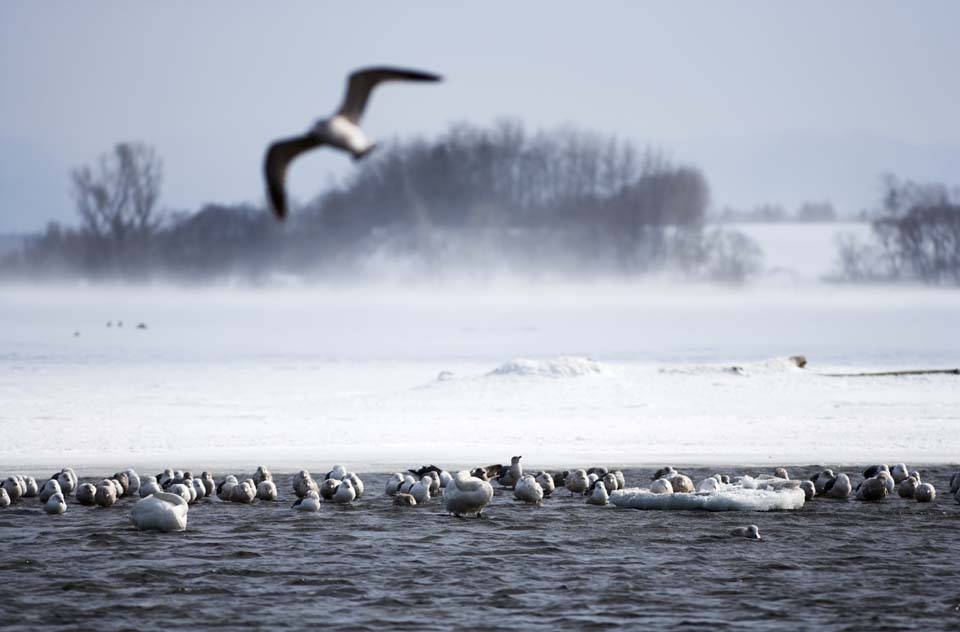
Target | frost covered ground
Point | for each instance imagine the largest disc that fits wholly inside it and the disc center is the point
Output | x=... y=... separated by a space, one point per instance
x=625 y=374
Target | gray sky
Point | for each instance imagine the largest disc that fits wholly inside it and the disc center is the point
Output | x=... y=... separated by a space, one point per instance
x=776 y=102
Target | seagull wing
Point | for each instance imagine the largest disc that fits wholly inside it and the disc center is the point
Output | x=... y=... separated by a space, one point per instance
x=362 y=82
x=279 y=155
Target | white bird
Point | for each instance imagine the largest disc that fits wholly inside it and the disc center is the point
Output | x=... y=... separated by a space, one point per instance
x=262 y=474
x=309 y=502
x=528 y=490
x=899 y=472
x=328 y=488
x=148 y=485
x=50 y=488
x=621 y=481
x=13 y=488
x=342 y=131
x=199 y=488
x=421 y=490
x=31 y=488
x=925 y=493
x=872 y=489
x=338 y=472
x=68 y=480
x=357 y=483
x=750 y=531
x=908 y=487
x=394 y=483
x=245 y=492
x=133 y=482
x=404 y=500
x=445 y=478
x=55 y=504
x=467 y=494
x=599 y=495
x=709 y=485
x=208 y=482
x=4 y=498
x=577 y=482
x=184 y=492
x=106 y=494
x=303 y=483
x=610 y=482
x=267 y=490
x=345 y=492
x=160 y=512
x=547 y=483
x=661 y=486
x=809 y=489
x=837 y=487
x=86 y=494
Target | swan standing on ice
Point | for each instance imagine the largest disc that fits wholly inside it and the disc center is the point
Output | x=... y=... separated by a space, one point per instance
x=577 y=482
x=55 y=504
x=599 y=495
x=466 y=494
x=528 y=490
x=308 y=502
x=750 y=531
x=341 y=131
x=160 y=512
x=345 y=493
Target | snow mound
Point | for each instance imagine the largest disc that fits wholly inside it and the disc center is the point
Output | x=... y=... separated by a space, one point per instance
x=564 y=366
x=732 y=498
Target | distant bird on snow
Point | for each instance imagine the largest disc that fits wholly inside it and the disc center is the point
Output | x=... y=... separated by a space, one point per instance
x=342 y=130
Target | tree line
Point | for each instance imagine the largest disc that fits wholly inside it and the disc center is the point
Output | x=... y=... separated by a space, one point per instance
x=474 y=200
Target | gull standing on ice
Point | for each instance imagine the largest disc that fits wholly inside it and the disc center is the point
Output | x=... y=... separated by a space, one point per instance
x=342 y=130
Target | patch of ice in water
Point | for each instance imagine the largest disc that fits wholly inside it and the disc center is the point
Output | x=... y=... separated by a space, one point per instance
x=564 y=366
x=732 y=498
x=767 y=367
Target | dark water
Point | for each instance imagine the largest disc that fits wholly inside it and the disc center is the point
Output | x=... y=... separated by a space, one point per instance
x=565 y=565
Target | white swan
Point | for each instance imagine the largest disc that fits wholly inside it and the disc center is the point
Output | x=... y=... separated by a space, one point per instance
x=925 y=493
x=55 y=504
x=266 y=490
x=577 y=482
x=529 y=490
x=345 y=493
x=308 y=502
x=421 y=490
x=750 y=531
x=160 y=512
x=599 y=496
x=86 y=494
x=341 y=131
x=50 y=488
x=467 y=494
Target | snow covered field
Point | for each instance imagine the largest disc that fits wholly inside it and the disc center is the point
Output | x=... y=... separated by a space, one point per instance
x=625 y=374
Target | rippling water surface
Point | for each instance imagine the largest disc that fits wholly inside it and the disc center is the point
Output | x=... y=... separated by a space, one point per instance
x=833 y=564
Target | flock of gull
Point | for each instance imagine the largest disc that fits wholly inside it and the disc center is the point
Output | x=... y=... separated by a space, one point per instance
x=165 y=499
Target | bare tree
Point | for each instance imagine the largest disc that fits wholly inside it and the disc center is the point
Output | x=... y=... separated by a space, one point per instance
x=117 y=199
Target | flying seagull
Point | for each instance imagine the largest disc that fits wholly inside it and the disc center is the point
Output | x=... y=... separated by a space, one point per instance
x=342 y=130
